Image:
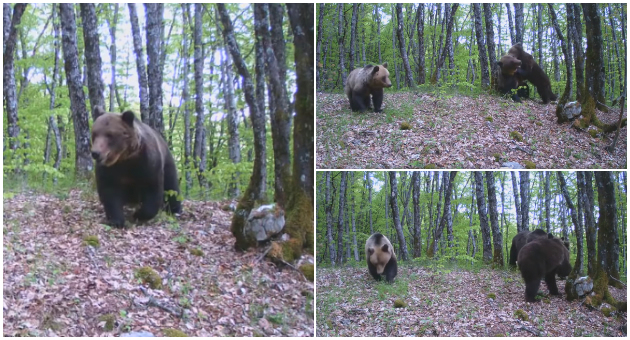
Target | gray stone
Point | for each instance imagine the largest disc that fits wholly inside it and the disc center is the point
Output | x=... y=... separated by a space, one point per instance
x=583 y=285
x=572 y=110
x=265 y=222
x=140 y=334
x=511 y=165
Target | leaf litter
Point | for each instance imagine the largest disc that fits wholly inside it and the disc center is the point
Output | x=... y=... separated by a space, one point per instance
x=56 y=285
x=458 y=132
x=450 y=303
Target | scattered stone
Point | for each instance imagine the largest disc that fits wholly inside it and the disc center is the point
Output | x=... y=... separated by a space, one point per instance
x=140 y=334
x=572 y=110
x=265 y=222
x=511 y=165
x=583 y=285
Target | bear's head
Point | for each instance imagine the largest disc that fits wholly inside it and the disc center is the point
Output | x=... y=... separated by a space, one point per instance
x=509 y=64
x=114 y=137
x=380 y=77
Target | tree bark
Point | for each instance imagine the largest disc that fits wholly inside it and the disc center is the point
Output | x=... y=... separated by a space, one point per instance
x=140 y=64
x=497 y=237
x=494 y=69
x=576 y=38
x=421 y=57
x=524 y=176
x=607 y=235
x=518 y=23
x=509 y=13
x=566 y=95
x=342 y=63
x=393 y=200
x=8 y=73
x=93 y=62
x=320 y=29
x=112 y=53
x=594 y=67
x=340 y=219
x=353 y=34
x=481 y=46
x=198 y=148
x=446 y=216
x=483 y=218
x=329 y=219
x=577 y=269
x=417 y=221
x=401 y=42
x=154 y=19
x=517 y=203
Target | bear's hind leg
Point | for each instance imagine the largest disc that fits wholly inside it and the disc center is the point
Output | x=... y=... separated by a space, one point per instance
x=377 y=99
x=550 y=279
x=531 y=289
x=152 y=199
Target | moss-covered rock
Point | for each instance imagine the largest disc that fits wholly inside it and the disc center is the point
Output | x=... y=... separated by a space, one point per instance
x=171 y=333
x=492 y=296
x=309 y=271
x=92 y=240
x=110 y=320
x=430 y=166
x=520 y=314
x=497 y=156
x=490 y=119
x=516 y=136
x=196 y=251
x=530 y=165
x=399 y=303
x=405 y=126
x=149 y=276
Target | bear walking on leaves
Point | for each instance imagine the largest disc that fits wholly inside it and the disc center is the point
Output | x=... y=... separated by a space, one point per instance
x=365 y=82
x=381 y=259
x=133 y=165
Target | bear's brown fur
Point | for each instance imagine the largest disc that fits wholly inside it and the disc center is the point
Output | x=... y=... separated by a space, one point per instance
x=366 y=81
x=521 y=239
x=133 y=165
x=511 y=77
x=543 y=258
x=533 y=73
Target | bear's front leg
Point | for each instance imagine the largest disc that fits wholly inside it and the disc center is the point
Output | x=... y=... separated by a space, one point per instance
x=357 y=103
x=152 y=198
x=112 y=199
x=372 y=270
x=377 y=99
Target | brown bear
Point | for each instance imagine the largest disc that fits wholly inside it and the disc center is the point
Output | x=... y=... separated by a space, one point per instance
x=543 y=258
x=533 y=73
x=366 y=81
x=381 y=259
x=133 y=165
x=521 y=239
x=512 y=77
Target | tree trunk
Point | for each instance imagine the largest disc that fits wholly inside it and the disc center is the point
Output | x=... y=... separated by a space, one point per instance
x=83 y=159
x=8 y=72
x=93 y=62
x=52 y=124
x=566 y=95
x=340 y=219
x=594 y=67
x=417 y=221
x=421 y=59
x=254 y=192
x=524 y=176
x=329 y=219
x=494 y=68
x=540 y=32
x=585 y=182
x=483 y=218
x=342 y=63
x=497 y=237
x=300 y=220
x=573 y=16
x=577 y=270
x=320 y=29
x=518 y=23
x=481 y=46
x=353 y=34
x=401 y=42
x=140 y=65
x=198 y=151
x=369 y=183
x=154 y=19
x=509 y=13
x=112 y=53
x=393 y=200
x=185 y=97
x=446 y=216
x=607 y=236
x=547 y=202
x=517 y=204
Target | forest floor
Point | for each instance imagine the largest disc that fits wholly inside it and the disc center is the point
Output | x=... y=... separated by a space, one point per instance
x=457 y=132
x=56 y=285
x=452 y=302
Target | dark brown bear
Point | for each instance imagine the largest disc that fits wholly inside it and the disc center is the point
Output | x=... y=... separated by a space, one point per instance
x=521 y=239
x=363 y=82
x=133 y=165
x=533 y=73
x=512 y=77
x=543 y=258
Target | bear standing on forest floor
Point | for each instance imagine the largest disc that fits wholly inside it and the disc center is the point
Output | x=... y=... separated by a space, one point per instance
x=133 y=165
x=512 y=77
x=521 y=239
x=366 y=81
x=533 y=73
x=543 y=258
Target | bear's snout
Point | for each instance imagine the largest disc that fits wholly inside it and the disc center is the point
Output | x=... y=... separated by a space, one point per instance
x=96 y=155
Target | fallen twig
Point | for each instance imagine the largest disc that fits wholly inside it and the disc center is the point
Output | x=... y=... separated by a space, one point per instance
x=533 y=331
x=90 y=251
x=262 y=256
x=178 y=312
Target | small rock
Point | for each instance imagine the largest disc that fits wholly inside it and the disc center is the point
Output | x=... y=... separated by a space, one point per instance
x=572 y=110
x=511 y=165
x=140 y=334
x=265 y=222
x=583 y=285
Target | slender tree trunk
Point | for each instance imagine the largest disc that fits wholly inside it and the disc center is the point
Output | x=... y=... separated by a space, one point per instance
x=517 y=204
x=568 y=89
x=524 y=176
x=483 y=218
x=421 y=56
x=354 y=226
x=154 y=20
x=509 y=13
x=393 y=198
x=10 y=96
x=353 y=33
x=417 y=221
x=112 y=53
x=401 y=42
x=518 y=23
x=494 y=69
x=585 y=182
x=342 y=63
x=594 y=67
x=340 y=220
x=577 y=270
x=497 y=237
x=540 y=33
x=607 y=236
x=576 y=38
x=329 y=219
x=140 y=64
x=448 y=184
x=92 y=57
x=185 y=97
x=481 y=46
x=52 y=124
x=320 y=32
x=234 y=139
x=547 y=202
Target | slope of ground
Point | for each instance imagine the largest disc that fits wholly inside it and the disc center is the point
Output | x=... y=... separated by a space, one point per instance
x=56 y=285
x=449 y=303
x=457 y=132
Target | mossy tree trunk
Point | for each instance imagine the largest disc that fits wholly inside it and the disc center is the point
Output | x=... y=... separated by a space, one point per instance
x=393 y=199
x=483 y=218
x=607 y=236
x=497 y=237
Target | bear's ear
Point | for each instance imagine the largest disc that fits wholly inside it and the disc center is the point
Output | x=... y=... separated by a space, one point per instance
x=374 y=70
x=385 y=248
x=385 y=64
x=98 y=110
x=128 y=117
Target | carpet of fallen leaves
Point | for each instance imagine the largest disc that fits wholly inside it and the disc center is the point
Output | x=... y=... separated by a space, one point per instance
x=55 y=285
x=450 y=303
x=457 y=132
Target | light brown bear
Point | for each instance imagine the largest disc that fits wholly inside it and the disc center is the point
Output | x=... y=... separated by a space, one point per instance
x=366 y=81
x=133 y=165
